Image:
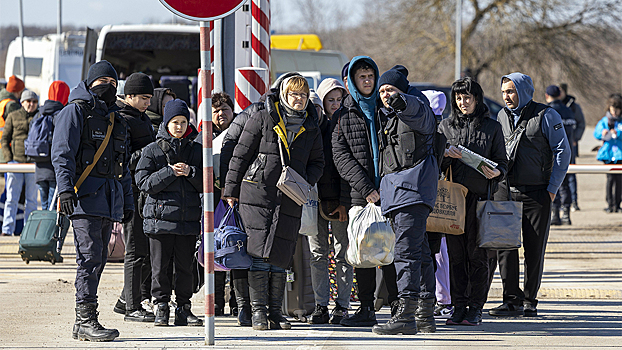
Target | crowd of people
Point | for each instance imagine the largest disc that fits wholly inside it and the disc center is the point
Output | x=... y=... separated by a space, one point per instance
x=133 y=155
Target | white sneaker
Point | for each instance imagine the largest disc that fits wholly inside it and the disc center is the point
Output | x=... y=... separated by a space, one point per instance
x=147 y=305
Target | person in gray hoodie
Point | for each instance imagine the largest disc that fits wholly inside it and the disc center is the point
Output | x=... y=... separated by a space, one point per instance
x=536 y=168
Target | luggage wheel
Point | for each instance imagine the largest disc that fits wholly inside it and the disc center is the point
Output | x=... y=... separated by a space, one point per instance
x=27 y=261
x=303 y=319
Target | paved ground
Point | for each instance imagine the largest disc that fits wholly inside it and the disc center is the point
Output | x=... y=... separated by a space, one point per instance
x=580 y=308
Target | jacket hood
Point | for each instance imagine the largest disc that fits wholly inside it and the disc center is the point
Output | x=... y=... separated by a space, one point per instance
x=81 y=92
x=327 y=85
x=127 y=109
x=156 y=101
x=4 y=94
x=352 y=86
x=50 y=107
x=59 y=91
x=524 y=88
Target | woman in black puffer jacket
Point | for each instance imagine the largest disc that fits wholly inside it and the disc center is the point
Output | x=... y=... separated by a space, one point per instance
x=170 y=173
x=471 y=127
x=271 y=219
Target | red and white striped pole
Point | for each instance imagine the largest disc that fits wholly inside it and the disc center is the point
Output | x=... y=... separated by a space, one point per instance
x=260 y=34
x=250 y=85
x=208 y=180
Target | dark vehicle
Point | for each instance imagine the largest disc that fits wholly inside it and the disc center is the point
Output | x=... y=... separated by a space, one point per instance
x=494 y=106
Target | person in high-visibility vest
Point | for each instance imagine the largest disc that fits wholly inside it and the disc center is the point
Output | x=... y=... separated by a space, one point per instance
x=9 y=101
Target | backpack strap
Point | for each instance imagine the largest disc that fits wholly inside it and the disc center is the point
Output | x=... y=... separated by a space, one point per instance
x=98 y=154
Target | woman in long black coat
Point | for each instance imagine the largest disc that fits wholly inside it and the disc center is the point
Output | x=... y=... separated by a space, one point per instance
x=170 y=173
x=271 y=219
x=470 y=125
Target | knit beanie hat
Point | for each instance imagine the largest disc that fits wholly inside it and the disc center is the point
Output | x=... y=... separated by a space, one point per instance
x=99 y=70
x=344 y=71
x=138 y=84
x=395 y=76
x=59 y=91
x=174 y=108
x=29 y=95
x=553 y=91
x=15 y=84
x=437 y=99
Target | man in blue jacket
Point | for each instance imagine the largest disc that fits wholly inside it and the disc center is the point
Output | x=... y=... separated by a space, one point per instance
x=93 y=197
x=537 y=166
x=408 y=193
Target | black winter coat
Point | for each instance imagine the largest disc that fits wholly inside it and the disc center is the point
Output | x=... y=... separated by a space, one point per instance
x=352 y=154
x=486 y=140
x=271 y=219
x=329 y=186
x=140 y=132
x=173 y=203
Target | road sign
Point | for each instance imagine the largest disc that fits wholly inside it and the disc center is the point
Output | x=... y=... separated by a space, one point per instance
x=202 y=10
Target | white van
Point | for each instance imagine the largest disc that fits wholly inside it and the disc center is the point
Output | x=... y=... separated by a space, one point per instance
x=45 y=56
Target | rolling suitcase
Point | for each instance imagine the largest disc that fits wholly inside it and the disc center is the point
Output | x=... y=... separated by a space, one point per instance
x=43 y=237
x=299 y=300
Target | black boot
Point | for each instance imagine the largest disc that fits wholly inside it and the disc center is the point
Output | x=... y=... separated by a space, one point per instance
x=425 y=316
x=565 y=220
x=365 y=316
x=555 y=219
x=258 y=282
x=185 y=317
x=244 y=302
x=277 y=290
x=403 y=322
x=87 y=326
x=162 y=314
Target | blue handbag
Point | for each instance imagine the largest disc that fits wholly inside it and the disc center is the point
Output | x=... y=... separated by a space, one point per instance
x=230 y=242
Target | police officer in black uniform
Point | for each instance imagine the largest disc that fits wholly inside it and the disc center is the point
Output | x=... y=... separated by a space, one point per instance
x=95 y=201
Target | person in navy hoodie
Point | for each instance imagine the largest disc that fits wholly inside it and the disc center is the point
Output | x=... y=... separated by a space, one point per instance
x=536 y=169
x=104 y=196
x=409 y=171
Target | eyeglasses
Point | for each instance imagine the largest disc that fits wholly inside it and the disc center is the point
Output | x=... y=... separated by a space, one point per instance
x=301 y=95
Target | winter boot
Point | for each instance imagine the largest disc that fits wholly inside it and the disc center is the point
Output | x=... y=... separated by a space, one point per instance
x=565 y=220
x=185 y=317
x=403 y=322
x=555 y=219
x=395 y=305
x=425 y=316
x=320 y=315
x=87 y=326
x=277 y=290
x=244 y=302
x=162 y=314
x=365 y=316
x=473 y=316
x=258 y=282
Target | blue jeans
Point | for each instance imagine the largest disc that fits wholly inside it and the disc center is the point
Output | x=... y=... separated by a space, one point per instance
x=14 y=184
x=260 y=265
x=46 y=190
x=320 y=247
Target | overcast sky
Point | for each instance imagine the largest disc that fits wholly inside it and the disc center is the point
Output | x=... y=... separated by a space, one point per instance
x=97 y=13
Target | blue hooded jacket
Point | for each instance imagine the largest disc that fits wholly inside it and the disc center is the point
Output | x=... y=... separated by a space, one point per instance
x=557 y=140
x=103 y=197
x=611 y=150
x=368 y=107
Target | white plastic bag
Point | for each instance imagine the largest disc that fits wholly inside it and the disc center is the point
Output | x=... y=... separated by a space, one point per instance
x=371 y=238
x=308 y=221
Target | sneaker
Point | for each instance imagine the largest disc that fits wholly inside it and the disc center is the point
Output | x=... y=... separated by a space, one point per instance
x=139 y=316
x=443 y=311
x=119 y=307
x=473 y=316
x=574 y=206
x=457 y=317
x=530 y=310
x=339 y=313
x=365 y=316
x=507 y=310
x=147 y=305
x=319 y=315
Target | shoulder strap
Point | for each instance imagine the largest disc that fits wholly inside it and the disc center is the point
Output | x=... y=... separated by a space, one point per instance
x=98 y=154
x=281 y=150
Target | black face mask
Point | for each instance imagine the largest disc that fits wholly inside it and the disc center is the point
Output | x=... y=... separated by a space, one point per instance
x=106 y=92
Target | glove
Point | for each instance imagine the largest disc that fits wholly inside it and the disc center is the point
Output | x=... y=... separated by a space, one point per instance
x=68 y=200
x=397 y=102
x=128 y=215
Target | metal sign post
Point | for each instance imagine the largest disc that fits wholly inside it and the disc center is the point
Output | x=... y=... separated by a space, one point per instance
x=206 y=11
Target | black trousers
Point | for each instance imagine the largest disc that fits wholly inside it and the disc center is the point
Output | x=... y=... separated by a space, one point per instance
x=91 y=235
x=536 y=224
x=162 y=248
x=136 y=265
x=434 y=241
x=564 y=195
x=614 y=190
x=366 y=281
x=468 y=263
